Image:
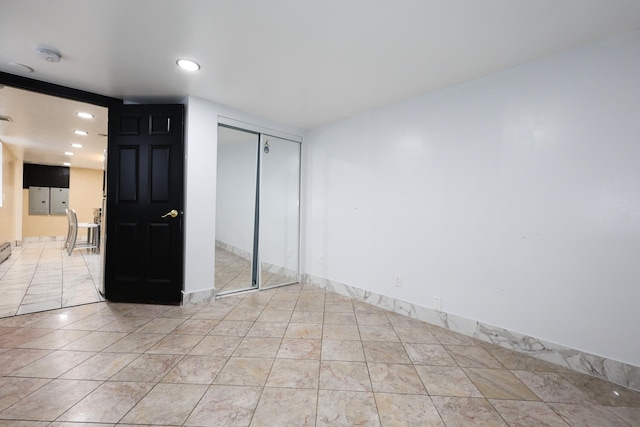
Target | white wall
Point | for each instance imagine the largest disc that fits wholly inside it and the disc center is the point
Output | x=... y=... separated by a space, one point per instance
x=515 y=198
x=200 y=185
x=237 y=167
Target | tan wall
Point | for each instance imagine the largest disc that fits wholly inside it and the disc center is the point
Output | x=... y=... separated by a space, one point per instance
x=9 y=210
x=85 y=194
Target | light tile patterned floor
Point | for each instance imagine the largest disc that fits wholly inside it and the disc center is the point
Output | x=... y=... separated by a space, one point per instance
x=233 y=273
x=41 y=276
x=293 y=356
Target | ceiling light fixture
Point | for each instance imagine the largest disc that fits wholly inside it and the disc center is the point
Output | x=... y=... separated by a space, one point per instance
x=68 y=153
x=187 y=64
x=84 y=115
x=48 y=55
x=81 y=132
x=66 y=164
x=21 y=67
x=76 y=145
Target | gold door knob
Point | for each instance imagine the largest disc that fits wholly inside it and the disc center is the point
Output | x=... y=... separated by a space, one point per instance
x=172 y=213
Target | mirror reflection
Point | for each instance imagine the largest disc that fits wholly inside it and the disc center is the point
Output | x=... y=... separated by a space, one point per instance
x=235 y=209
x=279 y=211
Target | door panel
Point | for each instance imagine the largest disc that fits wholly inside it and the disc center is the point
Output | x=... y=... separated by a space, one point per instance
x=144 y=250
x=279 y=211
x=236 y=210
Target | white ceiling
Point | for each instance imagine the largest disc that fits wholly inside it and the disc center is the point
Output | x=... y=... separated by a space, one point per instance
x=300 y=62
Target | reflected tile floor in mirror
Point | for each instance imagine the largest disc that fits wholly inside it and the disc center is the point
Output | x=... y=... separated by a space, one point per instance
x=41 y=276
x=291 y=356
x=233 y=273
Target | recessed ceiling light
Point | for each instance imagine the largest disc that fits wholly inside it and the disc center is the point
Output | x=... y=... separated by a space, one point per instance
x=21 y=67
x=187 y=64
x=81 y=132
x=66 y=164
x=76 y=145
x=84 y=115
x=68 y=153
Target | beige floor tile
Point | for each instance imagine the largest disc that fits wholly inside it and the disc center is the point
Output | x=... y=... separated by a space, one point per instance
x=196 y=370
x=50 y=401
x=350 y=376
x=303 y=330
x=407 y=410
x=586 y=415
x=394 y=378
x=268 y=329
x=552 y=387
x=630 y=415
x=387 y=352
x=527 y=414
x=175 y=344
x=296 y=348
x=125 y=324
x=246 y=371
x=14 y=389
x=415 y=334
x=275 y=315
x=258 y=347
x=134 y=343
x=232 y=328
x=230 y=406
x=378 y=333
x=346 y=409
x=372 y=319
x=53 y=364
x=108 y=403
x=603 y=392
x=294 y=374
x=342 y=350
x=148 y=368
x=55 y=339
x=95 y=341
x=196 y=326
x=160 y=325
x=169 y=404
x=216 y=346
x=499 y=384
x=286 y=407
x=429 y=354
x=473 y=357
x=340 y=332
x=102 y=366
x=16 y=358
x=340 y=318
x=467 y=412
x=307 y=316
x=447 y=381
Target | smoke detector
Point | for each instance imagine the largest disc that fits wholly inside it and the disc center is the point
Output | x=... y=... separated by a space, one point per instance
x=48 y=55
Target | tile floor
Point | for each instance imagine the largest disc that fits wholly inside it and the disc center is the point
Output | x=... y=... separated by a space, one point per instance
x=41 y=276
x=233 y=273
x=291 y=356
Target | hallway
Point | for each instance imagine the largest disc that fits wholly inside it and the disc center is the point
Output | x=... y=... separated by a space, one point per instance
x=41 y=276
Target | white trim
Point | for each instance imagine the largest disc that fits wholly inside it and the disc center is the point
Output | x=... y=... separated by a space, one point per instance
x=222 y=120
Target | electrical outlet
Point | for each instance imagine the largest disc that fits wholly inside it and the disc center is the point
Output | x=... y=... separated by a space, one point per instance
x=321 y=259
x=437 y=303
x=398 y=282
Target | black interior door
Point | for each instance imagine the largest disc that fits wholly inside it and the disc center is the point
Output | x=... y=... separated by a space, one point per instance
x=144 y=232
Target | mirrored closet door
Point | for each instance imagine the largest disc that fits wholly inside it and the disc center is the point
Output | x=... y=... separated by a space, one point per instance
x=257 y=211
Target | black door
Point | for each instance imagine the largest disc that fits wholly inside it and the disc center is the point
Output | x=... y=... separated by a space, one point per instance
x=144 y=233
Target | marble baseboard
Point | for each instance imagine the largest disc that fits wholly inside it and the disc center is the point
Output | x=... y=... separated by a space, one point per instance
x=234 y=250
x=597 y=366
x=44 y=239
x=197 y=297
x=285 y=272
